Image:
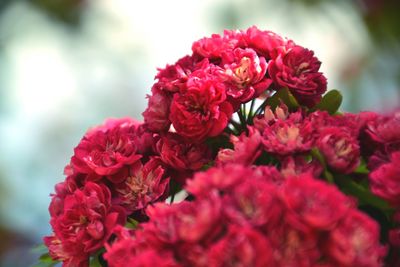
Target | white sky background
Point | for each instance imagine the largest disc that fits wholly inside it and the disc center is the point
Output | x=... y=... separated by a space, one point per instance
x=56 y=83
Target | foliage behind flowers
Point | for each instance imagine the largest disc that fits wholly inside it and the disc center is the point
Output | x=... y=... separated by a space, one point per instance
x=274 y=174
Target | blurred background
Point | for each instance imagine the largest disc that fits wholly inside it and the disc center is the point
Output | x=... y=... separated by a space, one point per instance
x=66 y=65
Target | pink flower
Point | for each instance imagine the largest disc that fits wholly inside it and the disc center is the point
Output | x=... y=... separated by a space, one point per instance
x=297 y=165
x=340 y=149
x=313 y=204
x=384 y=132
x=264 y=42
x=142 y=186
x=84 y=225
x=183 y=222
x=297 y=68
x=355 y=241
x=173 y=77
x=244 y=74
x=106 y=150
x=220 y=179
x=288 y=136
x=254 y=203
x=213 y=47
x=247 y=148
x=385 y=180
x=241 y=246
x=157 y=111
x=126 y=250
x=201 y=111
x=181 y=155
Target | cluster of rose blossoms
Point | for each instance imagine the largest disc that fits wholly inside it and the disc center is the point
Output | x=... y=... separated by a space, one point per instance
x=274 y=175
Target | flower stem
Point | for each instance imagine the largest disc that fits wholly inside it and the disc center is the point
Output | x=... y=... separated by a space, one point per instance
x=251 y=115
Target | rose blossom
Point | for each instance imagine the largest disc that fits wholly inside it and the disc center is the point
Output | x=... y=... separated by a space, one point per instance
x=126 y=250
x=213 y=47
x=254 y=203
x=355 y=241
x=264 y=42
x=297 y=68
x=290 y=135
x=144 y=184
x=244 y=74
x=385 y=180
x=181 y=155
x=157 y=111
x=247 y=148
x=201 y=111
x=106 y=150
x=192 y=222
x=313 y=204
x=173 y=78
x=241 y=246
x=300 y=164
x=84 y=225
x=340 y=149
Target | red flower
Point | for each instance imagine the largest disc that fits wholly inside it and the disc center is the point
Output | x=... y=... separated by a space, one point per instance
x=241 y=246
x=126 y=250
x=183 y=222
x=201 y=111
x=254 y=203
x=297 y=165
x=384 y=132
x=297 y=68
x=84 y=225
x=288 y=136
x=385 y=180
x=264 y=42
x=355 y=241
x=247 y=148
x=105 y=150
x=180 y=155
x=340 y=149
x=143 y=185
x=244 y=74
x=157 y=111
x=221 y=179
x=213 y=47
x=173 y=77
x=313 y=204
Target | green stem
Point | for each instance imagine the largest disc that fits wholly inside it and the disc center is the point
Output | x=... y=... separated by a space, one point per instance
x=363 y=194
x=235 y=124
x=242 y=119
x=172 y=198
x=250 y=117
x=261 y=108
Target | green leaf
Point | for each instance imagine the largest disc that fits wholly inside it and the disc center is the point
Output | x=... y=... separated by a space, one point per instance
x=330 y=102
x=45 y=261
x=39 y=249
x=363 y=194
x=315 y=153
x=95 y=259
x=362 y=168
x=131 y=223
x=282 y=95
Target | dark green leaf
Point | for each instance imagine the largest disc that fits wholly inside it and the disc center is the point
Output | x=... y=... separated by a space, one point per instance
x=282 y=96
x=131 y=223
x=330 y=102
x=364 y=195
x=315 y=153
x=45 y=261
x=362 y=168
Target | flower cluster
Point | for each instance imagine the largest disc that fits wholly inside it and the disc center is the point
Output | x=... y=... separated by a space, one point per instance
x=242 y=217
x=271 y=172
x=200 y=92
